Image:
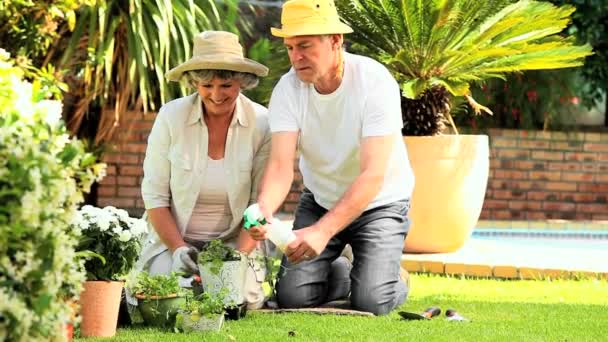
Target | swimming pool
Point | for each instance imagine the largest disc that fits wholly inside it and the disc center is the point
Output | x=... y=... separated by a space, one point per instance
x=576 y=239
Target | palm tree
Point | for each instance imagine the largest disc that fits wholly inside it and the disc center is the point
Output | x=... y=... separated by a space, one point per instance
x=437 y=48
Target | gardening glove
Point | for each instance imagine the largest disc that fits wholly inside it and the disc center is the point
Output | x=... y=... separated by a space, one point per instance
x=184 y=260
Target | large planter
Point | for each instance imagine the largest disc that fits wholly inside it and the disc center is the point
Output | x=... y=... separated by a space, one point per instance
x=188 y=322
x=231 y=276
x=451 y=178
x=159 y=311
x=99 y=304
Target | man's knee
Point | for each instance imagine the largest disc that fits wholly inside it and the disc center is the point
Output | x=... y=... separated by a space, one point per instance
x=375 y=300
x=290 y=297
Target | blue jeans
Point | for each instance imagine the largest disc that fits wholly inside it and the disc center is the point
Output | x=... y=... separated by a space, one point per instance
x=376 y=238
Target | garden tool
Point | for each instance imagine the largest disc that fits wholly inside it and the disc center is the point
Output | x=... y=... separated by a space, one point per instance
x=452 y=315
x=426 y=314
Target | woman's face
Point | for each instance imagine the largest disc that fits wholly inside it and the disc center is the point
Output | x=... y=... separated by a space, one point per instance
x=219 y=96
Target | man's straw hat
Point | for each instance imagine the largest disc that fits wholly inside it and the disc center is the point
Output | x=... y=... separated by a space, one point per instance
x=309 y=17
x=217 y=50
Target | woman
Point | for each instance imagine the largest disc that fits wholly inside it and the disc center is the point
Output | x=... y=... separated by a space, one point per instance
x=205 y=155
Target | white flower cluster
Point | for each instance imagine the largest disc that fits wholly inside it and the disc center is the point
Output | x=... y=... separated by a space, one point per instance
x=110 y=219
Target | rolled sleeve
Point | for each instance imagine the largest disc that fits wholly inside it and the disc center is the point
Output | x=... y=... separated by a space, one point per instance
x=157 y=168
x=260 y=159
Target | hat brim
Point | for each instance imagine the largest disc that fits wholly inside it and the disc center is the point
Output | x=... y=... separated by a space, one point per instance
x=311 y=29
x=232 y=64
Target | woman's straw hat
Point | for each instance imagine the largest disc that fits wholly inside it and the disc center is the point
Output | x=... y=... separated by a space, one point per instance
x=309 y=17
x=217 y=50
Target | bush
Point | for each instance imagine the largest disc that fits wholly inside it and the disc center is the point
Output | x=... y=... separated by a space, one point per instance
x=43 y=174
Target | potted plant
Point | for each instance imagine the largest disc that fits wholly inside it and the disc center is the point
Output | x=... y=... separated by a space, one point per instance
x=203 y=312
x=158 y=298
x=222 y=268
x=110 y=242
x=435 y=50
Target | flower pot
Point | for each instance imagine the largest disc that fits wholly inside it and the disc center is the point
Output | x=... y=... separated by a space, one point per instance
x=159 y=311
x=451 y=177
x=193 y=322
x=231 y=276
x=99 y=304
x=69 y=331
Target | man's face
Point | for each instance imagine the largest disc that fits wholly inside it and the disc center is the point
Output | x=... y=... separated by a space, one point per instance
x=312 y=57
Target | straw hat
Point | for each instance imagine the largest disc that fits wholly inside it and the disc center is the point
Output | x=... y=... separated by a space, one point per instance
x=217 y=50
x=309 y=17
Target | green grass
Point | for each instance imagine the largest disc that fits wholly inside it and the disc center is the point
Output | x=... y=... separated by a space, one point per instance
x=541 y=310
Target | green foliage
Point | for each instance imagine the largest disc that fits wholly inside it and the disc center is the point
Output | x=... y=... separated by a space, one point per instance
x=113 y=238
x=43 y=175
x=204 y=304
x=534 y=100
x=158 y=285
x=271 y=53
x=453 y=43
x=120 y=51
x=215 y=253
x=28 y=27
x=589 y=24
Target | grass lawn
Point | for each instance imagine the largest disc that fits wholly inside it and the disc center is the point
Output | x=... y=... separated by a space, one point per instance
x=542 y=310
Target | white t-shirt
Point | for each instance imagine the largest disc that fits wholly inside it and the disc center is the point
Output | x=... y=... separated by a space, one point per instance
x=367 y=103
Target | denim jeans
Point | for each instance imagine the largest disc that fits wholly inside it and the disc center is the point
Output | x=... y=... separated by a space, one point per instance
x=376 y=238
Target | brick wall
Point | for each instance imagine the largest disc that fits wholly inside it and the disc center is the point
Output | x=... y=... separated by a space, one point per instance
x=533 y=175
x=547 y=175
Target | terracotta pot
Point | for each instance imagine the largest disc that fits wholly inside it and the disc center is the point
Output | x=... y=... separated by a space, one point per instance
x=451 y=177
x=99 y=305
x=69 y=331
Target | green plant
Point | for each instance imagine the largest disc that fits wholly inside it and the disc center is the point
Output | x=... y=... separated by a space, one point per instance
x=272 y=54
x=204 y=304
x=43 y=175
x=215 y=253
x=157 y=286
x=28 y=27
x=589 y=25
x=120 y=51
x=112 y=237
x=435 y=49
x=533 y=100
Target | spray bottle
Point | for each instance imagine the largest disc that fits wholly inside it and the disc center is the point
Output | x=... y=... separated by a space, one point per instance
x=278 y=232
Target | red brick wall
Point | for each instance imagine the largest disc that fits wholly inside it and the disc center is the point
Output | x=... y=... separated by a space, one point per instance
x=547 y=175
x=533 y=175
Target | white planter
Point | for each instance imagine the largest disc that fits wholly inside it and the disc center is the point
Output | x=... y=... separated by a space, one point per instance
x=231 y=276
x=188 y=322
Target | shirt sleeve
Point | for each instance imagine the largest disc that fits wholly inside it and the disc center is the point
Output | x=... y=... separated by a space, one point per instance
x=282 y=115
x=157 y=168
x=382 y=112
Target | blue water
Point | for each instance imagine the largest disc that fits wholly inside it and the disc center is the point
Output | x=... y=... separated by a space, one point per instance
x=587 y=240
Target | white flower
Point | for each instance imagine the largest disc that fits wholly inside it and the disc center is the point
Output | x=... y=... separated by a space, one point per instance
x=52 y=109
x=138 y=226
x=125 y=236
x=103 y=222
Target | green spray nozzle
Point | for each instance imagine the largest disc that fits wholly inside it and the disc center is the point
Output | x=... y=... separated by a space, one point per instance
x=253 y=217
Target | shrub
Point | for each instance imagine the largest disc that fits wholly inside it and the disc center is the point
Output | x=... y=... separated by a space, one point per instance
x=43 y=174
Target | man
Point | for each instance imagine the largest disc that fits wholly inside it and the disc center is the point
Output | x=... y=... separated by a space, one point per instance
x=343 y=112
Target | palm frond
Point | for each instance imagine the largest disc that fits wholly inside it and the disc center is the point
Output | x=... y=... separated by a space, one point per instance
x=455 y=42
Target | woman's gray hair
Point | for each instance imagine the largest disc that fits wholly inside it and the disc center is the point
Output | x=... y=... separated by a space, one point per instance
x=197 y=77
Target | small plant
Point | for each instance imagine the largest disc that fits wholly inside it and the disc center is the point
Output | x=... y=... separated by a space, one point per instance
x=157 y=286
x=112 y=237
x=204 y=304
x=203 y=312
x=216 y=253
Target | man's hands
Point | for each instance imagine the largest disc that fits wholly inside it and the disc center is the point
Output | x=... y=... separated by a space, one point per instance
x=309 y=243
x=184 y=260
